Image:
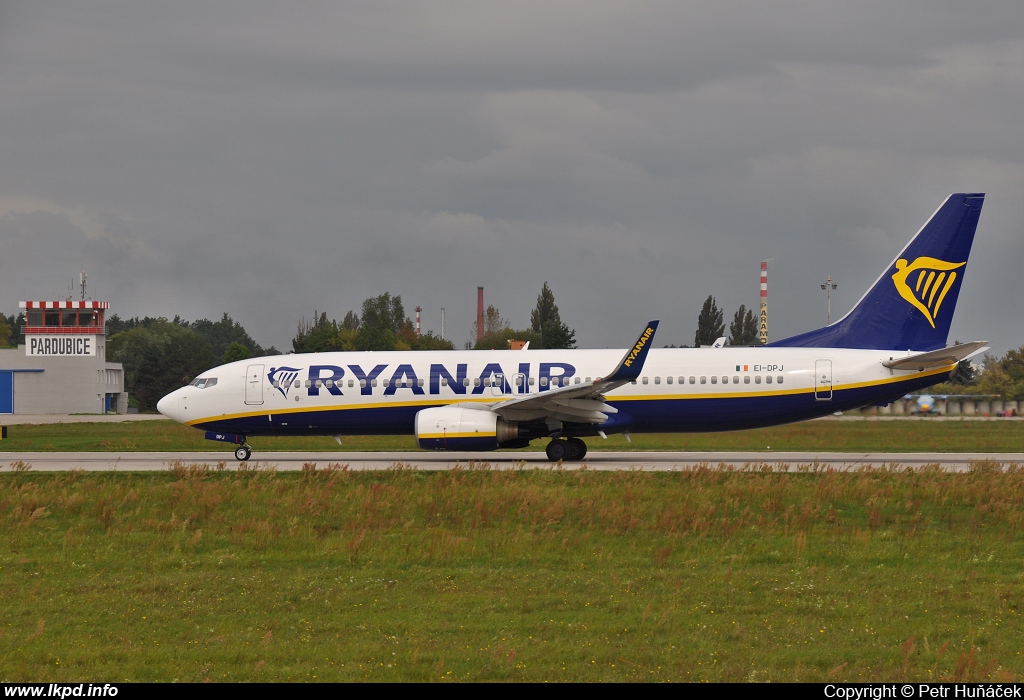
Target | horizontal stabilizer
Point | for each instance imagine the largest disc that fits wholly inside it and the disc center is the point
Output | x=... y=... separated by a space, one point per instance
x=937 y=358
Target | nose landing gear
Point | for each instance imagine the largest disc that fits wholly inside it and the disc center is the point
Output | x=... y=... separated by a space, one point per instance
x=243 y=453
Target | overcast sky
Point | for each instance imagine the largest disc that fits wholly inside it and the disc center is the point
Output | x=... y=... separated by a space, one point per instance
x=269 y=159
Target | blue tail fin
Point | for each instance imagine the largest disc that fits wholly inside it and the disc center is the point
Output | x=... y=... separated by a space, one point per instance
x=911 y=305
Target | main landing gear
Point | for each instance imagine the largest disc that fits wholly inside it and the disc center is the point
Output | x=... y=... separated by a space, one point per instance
x=243 y=453
x=571 y=450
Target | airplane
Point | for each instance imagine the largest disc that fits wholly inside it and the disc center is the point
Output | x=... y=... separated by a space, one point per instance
x=925 y=403
x=892 y=342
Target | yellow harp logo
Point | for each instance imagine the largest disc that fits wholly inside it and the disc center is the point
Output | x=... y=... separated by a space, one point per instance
x=932 y=282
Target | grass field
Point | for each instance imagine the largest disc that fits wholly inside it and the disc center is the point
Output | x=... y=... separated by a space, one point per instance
x=820 y=435
x=511 y=575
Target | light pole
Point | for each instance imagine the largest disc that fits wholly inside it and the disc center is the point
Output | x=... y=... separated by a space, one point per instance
x=828 y=286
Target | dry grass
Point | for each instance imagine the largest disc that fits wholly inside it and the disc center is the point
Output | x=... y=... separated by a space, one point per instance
x=328 y=574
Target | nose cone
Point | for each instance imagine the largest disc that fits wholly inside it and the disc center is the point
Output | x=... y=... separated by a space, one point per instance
x=168 y=406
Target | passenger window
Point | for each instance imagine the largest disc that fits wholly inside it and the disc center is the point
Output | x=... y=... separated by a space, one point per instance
x=519 y=380
x=768 y=379
x=657 y=380
x=757 y=379
x=577 y=380
x=275 y=383
x=444 y=381
x=543 y=381
x=373 y=382
x=692 y=379
x=588 y=380
x=296 y=384
x=465 y=381
x=362 y=383
x=779 y=379
x=632 y=381
x=645 y=380
x=668 y=380
x=735 y=380
x=532 y=380
x=714 y=380
x=725 y=380
x=704 y=380
x=351 y=383
x=746 y=379
x=419 y=382
x=476 y=382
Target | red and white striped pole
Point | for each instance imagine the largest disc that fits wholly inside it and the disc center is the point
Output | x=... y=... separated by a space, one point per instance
x=763 y=326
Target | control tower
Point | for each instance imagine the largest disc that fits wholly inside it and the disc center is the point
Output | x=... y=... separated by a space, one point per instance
x=62 y=367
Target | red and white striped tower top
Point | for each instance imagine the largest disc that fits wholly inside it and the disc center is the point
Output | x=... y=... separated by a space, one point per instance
x=64 y=304
x=64 y=317
x=763 y=326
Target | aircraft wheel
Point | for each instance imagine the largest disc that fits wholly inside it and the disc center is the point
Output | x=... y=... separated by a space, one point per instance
x=243 y=453
x=577 y=449
x=557 y=450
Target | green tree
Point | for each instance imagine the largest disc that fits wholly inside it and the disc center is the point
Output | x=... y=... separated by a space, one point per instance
x=493 y=322
x=318 y=335
x=235 y=352
x=6 y=331
x=743 y=329
x=351 y=321
x=384 y=325
x=383 y=312
x=223 y=333
x=376 y=338
x=710 y=325
x=159 y=358
x=429 y=341
x=546 y=322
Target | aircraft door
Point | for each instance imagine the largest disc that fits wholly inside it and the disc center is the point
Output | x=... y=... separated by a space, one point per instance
x=823 y=380
x=498 y=385
x=254 y=385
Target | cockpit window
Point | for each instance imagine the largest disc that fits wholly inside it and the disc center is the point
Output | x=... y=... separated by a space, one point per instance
x=204 y=382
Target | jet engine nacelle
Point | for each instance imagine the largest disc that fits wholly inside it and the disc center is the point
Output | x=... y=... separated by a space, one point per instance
x=454 y=428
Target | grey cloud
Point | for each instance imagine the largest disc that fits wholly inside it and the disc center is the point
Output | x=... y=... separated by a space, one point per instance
x=267 y=159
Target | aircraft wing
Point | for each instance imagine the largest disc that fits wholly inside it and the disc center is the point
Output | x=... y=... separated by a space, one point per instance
x=938 y=358
x=581 y=403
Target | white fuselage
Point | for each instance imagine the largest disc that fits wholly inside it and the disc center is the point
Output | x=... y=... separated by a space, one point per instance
x=679 y=390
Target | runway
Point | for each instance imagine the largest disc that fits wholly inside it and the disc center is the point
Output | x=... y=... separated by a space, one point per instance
x=435 y=461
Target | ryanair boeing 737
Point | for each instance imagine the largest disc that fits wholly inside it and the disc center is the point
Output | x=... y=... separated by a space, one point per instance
x=891 y=343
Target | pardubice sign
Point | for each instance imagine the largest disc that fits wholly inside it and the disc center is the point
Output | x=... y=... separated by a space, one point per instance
x=60 y=345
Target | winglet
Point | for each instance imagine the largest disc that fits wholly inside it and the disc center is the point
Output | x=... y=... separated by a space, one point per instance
x=632 y=362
